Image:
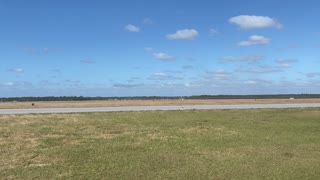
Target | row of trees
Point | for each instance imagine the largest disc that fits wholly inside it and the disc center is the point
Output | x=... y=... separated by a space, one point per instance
x=264 y=96
x=82 y=98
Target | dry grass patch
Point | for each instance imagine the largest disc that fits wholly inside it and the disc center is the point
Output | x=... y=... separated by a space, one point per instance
x=160 y=136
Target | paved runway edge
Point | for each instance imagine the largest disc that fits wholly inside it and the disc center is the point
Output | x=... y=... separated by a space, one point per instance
x=154 y=108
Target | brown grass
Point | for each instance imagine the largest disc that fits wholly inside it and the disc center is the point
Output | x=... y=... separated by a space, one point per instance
x=114 y=103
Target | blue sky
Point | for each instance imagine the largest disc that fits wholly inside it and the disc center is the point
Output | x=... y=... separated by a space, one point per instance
x=162 y=48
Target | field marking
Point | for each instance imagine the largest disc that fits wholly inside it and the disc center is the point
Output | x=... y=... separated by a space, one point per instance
x=154 y=108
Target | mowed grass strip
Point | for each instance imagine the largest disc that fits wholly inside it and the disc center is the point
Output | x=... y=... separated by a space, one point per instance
x=213 y=144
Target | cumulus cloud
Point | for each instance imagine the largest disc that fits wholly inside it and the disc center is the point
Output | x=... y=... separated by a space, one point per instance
x=286 y=63
x=164 y=57
x=254 y=39
x=257 y=81
x=243 y=58
x=186 y=34
x=254 y=22
x=17 y=70
x=161 y=75
x=132 y=28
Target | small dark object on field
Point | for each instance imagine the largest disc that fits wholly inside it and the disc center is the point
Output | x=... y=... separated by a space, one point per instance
x=32 y=104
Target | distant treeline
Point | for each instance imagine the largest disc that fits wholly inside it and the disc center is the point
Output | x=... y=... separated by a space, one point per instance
x=82 y=98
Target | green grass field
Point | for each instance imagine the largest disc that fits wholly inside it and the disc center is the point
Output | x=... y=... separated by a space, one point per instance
x=215 y=144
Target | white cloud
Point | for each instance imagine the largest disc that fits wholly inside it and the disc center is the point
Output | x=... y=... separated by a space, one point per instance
x=16 y=84
x=313 y=74
x=164 y=56
x=160 y=74
x=148 y=49
x=257 y=81
x=7 y=84
x=250 y=82
x=254 y=22
x=243 y=58
x=132 y=28
x=40 y=51
x=186 y=34
x=261 y=70
x=173 y=71
x=120 y=85
x=163 y=76
x=147 y=21
x=213 y=31
x=255 y=39
x=218 y=75
x=17 y=70
x=72 y=81
x=286 y=63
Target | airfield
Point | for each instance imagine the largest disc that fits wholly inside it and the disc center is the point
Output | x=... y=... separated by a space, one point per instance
x=150 y=105
x=161 y=139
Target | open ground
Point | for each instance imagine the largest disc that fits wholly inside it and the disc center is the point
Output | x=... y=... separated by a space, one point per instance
x=122 y=103
x=202 y=144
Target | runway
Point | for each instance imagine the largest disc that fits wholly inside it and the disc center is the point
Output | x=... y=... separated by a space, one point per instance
x=154 y=108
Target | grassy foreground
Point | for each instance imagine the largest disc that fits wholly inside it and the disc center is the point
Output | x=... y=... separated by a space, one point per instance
x=215 y=144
